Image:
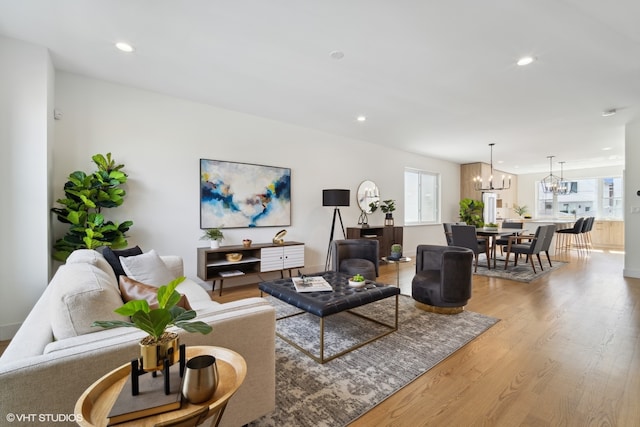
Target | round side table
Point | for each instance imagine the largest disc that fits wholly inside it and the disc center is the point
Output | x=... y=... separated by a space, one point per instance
x=397 y=262
x=96 y=402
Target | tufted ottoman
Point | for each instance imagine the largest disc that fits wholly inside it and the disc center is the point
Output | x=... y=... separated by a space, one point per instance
x=323 y=304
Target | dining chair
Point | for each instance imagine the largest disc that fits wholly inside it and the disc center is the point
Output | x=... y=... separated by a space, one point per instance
x=504 y=240
x=533 y=247
x=546 y=245
x=447 y=231
x=465 y=237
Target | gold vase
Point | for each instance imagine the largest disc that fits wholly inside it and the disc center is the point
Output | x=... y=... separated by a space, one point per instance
x=154 y=353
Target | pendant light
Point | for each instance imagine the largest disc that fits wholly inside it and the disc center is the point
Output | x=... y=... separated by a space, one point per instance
x=551 y=183
x=477 y=181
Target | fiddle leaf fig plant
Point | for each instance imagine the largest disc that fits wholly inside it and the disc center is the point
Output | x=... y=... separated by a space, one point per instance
x=85 y=197
x=155 y=322
x=471 y=212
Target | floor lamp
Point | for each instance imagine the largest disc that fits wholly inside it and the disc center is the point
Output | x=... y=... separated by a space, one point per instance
x=334 y=198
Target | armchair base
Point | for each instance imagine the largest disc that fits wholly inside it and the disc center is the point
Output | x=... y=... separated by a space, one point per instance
x=438 y=310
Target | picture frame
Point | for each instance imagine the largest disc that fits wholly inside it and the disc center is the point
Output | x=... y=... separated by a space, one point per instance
x=239 y=195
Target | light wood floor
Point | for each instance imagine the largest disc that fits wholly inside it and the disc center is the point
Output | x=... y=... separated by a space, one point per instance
x=565 y=353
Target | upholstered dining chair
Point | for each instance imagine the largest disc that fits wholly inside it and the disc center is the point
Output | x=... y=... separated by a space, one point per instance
x=531 y=248
x=504 y=241
x=442 y=282
x=356 y=256
x=546 y=244
x=447 y=231
x=465 y=236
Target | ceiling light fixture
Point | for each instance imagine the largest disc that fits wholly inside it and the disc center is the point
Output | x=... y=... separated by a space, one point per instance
x=552 y=184
x=525 y=60
x=337 y=54
x=607 y=113
x=477 y=181
x=125 y=47
x=361 y=118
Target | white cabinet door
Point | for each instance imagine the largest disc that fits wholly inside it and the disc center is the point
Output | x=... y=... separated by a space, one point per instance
x=293 y=256
x=281 y=258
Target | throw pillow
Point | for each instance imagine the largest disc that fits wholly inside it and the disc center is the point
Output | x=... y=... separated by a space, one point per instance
x=133 y=290
x=113 y=257
x=80 y=294
x=147 y=268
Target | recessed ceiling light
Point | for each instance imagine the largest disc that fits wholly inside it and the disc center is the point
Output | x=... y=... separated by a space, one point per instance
x=361 y=118
x=607 y=113
x=337 y=54
x=607 y=149
x=125 y=47
x=525 y=60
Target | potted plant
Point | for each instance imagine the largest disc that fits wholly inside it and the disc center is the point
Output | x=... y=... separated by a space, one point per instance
x=471 y=212
x=159 y=344
x=213 y=234
x=396 y=251
x=85 y=197
x=520 y=210
x=387 y=207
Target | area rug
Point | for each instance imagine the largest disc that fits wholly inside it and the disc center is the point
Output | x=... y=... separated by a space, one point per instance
x=521 y=272
x=338 y=392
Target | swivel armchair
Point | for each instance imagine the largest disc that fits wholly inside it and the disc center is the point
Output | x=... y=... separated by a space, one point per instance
x=356 y=256
x=442 y=283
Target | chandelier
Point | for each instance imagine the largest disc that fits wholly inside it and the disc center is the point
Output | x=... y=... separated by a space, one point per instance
x=477 y=181
x=552 y=183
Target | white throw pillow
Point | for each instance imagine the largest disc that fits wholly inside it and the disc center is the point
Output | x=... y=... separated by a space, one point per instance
x=82 y=293
x=147 y=268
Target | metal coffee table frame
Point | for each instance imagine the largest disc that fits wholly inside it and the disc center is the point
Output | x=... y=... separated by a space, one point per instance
x=338 y=282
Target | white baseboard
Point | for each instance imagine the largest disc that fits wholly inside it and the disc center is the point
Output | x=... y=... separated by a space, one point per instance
x=631 y=273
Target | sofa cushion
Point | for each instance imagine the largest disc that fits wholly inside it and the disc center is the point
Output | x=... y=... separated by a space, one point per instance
x=113 y=257
x=147 y=268
x=133 y=290
x=82 y=293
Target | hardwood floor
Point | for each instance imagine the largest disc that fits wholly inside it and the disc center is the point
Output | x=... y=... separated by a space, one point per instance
x=565 y=353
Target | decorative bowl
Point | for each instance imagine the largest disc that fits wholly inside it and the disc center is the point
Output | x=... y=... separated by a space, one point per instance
x=354 y=284
x=234 y=257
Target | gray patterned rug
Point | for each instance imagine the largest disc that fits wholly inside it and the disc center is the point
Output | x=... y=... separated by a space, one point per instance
x=521 y=272
x=338 y=392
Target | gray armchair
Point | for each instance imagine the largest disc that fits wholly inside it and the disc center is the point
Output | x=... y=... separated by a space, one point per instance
x=442 y=283
x=356 y=256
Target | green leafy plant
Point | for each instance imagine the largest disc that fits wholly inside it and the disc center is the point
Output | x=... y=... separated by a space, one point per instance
x=155 y=322
x=520 y=210
x=358 y=278
x=492 y=225
x=212 y=234
x=387 y=206
x=471 y=212
x=396 y=247
x=85 y=197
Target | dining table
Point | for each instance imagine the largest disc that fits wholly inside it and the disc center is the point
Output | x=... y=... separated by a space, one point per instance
x=494 y=233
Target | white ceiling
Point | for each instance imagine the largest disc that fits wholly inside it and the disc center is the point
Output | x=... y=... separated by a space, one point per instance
x=433 y=77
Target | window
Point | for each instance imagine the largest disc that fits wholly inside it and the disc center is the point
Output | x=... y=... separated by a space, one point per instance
x=599 y=197
x=421 y=197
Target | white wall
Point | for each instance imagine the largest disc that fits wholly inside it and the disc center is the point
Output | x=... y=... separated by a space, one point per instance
x=160 y=140
x=26 y=85
x=631 y=187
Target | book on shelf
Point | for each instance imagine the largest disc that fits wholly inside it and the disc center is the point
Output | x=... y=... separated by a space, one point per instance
x=151 y=400
x=230 y=273
x=311 y=284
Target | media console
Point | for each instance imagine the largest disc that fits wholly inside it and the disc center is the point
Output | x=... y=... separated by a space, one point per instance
x=257 y=258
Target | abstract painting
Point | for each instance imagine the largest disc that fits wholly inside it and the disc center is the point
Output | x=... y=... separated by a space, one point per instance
x=234 y=195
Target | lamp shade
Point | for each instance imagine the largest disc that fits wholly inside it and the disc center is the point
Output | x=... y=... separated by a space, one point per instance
x=335 y=197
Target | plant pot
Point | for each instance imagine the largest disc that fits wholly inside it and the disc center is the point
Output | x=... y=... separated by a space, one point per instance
x=215 y=244
x=395 y=255
x=388 y=219
x=153 y=354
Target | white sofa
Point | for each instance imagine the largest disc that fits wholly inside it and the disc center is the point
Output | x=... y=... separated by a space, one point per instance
x=41 y=373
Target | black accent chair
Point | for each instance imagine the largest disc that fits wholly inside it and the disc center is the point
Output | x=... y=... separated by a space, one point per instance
x=531 y=248
x=564 y=234
x=442 y=283
x=356 y=256
x=465 y=236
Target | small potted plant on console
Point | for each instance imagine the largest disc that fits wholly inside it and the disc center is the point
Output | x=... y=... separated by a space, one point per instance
x=213 y=234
